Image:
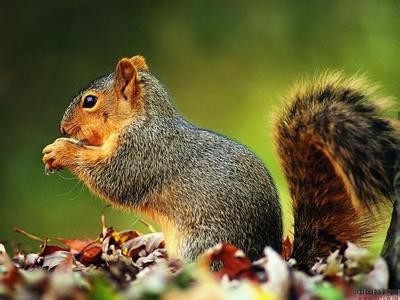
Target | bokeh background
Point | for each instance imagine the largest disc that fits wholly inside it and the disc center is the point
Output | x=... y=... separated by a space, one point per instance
x=226 y=63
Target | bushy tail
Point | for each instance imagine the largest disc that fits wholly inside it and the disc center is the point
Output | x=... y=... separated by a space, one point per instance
x=338 y=156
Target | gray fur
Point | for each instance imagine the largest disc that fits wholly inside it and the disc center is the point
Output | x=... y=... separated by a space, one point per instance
x=225 y=193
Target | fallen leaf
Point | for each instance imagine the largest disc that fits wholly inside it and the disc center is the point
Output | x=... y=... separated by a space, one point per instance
x=49 y=249
x=55 y=259
x=76 y=246
x=91 y=254
x=235 y=264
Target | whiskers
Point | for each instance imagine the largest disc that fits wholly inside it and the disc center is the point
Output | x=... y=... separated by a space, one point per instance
x=78 y=183
x=65 y=178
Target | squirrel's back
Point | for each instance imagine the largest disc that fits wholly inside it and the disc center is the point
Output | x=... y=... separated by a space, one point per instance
x=231 y=194
x=214 y=189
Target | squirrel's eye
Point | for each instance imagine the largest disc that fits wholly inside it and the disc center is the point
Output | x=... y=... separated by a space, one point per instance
x=89 y=101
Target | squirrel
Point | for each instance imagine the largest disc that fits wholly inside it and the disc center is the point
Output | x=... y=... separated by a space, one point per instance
x=127 y=142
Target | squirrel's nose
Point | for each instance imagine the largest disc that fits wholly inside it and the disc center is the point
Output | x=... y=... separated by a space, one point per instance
x=62 y=130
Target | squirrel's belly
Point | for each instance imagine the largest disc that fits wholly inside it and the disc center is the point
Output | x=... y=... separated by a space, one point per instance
x=172 y=236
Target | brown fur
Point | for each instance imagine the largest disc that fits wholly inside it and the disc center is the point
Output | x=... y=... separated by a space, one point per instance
x=99 y=127
x=97 y=124
x=338 y=157
x=139 y=62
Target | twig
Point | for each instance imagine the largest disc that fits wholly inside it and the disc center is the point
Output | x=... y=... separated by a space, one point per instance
x=149 y=227
x=29 y=235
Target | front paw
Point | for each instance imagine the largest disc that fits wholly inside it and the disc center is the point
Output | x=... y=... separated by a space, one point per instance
x=59 y=154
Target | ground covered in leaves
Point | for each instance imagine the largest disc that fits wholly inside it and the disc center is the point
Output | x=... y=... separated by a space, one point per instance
x=130 y=265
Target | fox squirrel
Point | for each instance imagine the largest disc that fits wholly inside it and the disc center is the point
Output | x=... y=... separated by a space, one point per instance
x=128 y=143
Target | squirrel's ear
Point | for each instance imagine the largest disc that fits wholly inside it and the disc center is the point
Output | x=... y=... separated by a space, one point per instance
x=126 y=79
x=139 y=62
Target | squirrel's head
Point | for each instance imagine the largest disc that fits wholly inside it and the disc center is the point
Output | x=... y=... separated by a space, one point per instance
x=107 y=104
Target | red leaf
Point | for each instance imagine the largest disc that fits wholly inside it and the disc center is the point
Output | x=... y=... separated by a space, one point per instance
x=76 y=246
x=235 y=263
x=90 y=255
x=12 y=278
x=50 y=249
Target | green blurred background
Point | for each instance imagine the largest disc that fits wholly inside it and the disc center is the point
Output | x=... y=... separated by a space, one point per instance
x=226 y=64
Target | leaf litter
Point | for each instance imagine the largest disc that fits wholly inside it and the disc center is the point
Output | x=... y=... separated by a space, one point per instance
x=130 y=265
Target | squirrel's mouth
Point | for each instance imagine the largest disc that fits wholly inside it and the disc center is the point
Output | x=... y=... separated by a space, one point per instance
x=83 y=142
x=87 y=138
x=73 y=134
x=76 y=136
